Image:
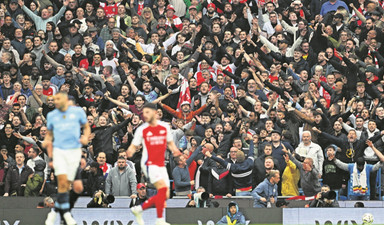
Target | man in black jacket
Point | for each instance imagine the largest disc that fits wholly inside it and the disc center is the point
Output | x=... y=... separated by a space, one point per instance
x=15 y=181
x=102 y=142
x=94 y=179
x=263 y=164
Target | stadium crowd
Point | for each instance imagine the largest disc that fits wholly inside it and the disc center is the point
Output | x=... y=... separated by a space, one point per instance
x=263 y=96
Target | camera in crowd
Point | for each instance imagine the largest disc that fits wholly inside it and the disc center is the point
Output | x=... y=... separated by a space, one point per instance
x=101 y=200
x=330 y=195
x=202 y=196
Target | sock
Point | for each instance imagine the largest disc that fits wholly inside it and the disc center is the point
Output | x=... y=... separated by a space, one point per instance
x=160 y=201
x=62 y=203
x=73 y=196
x=149 y=203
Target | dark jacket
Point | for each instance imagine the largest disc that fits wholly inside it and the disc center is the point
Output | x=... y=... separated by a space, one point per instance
x=259 y=172
x=94 y=182
x=103 y=137
x=14 y=180
x=240 y=172
x=220 y=181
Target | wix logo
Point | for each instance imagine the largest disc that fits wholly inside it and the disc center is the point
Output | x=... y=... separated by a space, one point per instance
x=6 y=222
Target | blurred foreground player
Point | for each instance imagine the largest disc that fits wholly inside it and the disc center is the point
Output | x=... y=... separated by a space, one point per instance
x=63 y=143
x=155 y=136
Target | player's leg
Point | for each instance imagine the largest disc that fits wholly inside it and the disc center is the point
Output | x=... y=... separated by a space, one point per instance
x=71 y=160
x=77 y=189
x=159 y=177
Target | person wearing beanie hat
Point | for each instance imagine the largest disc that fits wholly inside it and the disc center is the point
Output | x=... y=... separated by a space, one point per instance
x=234 y=216
x=211 y=12
x=176 y=23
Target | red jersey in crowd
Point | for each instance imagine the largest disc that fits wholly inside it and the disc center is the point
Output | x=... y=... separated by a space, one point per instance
x=176 y=21
x=110 y=10
x=50 y=91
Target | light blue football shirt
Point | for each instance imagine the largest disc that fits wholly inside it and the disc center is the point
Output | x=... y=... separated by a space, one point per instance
x=66 y=127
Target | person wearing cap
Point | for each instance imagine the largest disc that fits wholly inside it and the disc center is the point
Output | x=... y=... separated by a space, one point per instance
x=359 y=182
x=141 y=189
x=277 y=149
x=173 y=20
x=211 y=12
x=283 y=45
x=74 y=35
x=7 y=159
x=96 y=39
x=185 y=113
x=192 y=12
x=121 y=180
x=233 y=217
x=338 y=25
x=41 y=22
x=35 y=184
x=13 y=9
x=162 y=25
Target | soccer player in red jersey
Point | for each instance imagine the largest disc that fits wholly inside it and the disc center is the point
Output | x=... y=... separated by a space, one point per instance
x=155 y=137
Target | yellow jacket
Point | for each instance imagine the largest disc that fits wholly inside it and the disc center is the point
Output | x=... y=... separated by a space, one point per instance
x=290 y=180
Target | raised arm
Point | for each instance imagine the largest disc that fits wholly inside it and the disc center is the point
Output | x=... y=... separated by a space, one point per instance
x=219 y=160
x=161 y=98
x=132 y=84
x=52 y=61
x=341 y=165
x=31 y=15
x=194 y=154
x=37 y=98
x=377 y=152
x=118 y=103
x=61 y=12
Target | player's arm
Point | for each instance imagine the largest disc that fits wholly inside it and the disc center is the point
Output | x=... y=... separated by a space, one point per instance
x=86 y=133
x=131 y=150
x=173 y=148
x=47 y=144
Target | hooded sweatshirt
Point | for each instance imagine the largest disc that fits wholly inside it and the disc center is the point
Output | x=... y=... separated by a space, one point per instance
x=237 y=218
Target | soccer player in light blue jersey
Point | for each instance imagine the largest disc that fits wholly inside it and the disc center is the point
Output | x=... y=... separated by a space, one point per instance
x=63 y=143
